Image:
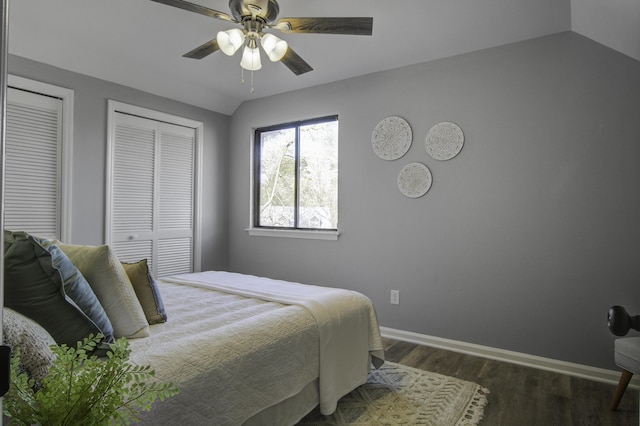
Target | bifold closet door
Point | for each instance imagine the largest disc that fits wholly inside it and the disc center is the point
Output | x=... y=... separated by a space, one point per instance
x=152 y=193
x=32 y=174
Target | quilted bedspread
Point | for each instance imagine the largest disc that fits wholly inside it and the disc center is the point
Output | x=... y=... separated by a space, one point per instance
x=235 y=344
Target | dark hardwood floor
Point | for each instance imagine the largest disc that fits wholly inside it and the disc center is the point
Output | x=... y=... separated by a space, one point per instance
x=523 y=396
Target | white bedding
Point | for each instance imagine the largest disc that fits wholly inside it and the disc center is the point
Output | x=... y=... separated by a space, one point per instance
x=233 y=355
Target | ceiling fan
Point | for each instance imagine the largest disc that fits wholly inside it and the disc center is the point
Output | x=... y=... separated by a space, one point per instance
x=255 y=16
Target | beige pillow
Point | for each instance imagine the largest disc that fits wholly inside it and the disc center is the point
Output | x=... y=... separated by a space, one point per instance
x=109 y=281
x=147 y=291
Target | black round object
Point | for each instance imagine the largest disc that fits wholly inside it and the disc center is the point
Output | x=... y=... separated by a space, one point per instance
x=618 y=320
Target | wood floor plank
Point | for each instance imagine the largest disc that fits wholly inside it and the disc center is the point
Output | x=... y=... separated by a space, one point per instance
x=397 y=349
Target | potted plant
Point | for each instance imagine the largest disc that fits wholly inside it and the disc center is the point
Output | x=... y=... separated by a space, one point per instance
x=83 y=389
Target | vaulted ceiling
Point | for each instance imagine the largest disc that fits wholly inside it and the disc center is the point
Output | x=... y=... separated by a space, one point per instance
x=140 y=43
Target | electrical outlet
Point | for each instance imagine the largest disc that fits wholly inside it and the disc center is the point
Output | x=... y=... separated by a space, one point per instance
x=395 y=297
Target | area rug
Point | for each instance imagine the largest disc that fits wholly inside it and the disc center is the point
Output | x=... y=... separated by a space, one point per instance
x=400 y=395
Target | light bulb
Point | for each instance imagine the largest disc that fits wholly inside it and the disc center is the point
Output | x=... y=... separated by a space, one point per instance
x=274 y=47
x=251 y=57
x=230 y=41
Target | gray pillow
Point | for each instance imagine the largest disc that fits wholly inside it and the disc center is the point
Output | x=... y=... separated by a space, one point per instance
x=34 y=342
x=42 y=284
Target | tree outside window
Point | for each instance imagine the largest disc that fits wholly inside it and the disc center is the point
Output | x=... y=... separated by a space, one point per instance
x=296 y=175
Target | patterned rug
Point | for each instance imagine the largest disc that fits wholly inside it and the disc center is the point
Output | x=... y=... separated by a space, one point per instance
x=399 y=395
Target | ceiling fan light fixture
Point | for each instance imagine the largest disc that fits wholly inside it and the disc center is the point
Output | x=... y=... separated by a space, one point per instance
x=256 y=15
x=251 y=57
x=230 y=41
x=274 y=47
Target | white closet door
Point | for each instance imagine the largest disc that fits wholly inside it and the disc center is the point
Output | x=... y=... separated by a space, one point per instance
x=32 y=182
x=152 y=193
x=133 y=188
x=175 y=200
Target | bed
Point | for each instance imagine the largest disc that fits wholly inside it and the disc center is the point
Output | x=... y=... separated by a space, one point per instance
x=251 y=350
x=241 y=349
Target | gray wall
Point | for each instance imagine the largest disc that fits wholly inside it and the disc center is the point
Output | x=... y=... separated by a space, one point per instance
x=90 y=146
x=524 y=240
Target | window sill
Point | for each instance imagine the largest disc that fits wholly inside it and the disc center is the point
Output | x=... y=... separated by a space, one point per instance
x=294 y=233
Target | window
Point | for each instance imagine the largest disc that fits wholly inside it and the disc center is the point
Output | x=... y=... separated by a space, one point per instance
x=296 y=176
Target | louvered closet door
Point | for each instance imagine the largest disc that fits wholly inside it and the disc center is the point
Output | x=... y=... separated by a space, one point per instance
x=175 y=200
x=153 y=193
x=32 y=179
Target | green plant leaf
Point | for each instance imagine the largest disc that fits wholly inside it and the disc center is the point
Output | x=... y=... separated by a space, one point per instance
x=83 y=389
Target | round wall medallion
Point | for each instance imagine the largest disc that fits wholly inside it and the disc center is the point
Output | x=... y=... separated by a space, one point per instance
x=391 y=138
x=414 y=180
x=444 y=141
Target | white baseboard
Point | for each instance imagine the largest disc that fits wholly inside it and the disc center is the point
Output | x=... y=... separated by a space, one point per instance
x=548 y=364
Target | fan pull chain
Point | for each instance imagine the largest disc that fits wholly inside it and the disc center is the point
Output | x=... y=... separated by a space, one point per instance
x=242 y=81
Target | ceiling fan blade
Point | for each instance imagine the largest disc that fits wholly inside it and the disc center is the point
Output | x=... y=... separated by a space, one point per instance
x=295 y=63
x=201 y=51
x=192 y=7
x=347 y=26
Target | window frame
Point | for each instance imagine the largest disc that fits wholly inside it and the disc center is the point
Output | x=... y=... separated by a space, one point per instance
x=273 y=231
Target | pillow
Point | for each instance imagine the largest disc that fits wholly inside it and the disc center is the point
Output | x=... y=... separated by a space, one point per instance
x=34 y=342
x=105 y=274
x=42 y=284
x=146 y=290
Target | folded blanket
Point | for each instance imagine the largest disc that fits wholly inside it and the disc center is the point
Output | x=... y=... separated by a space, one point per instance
x=350 y=338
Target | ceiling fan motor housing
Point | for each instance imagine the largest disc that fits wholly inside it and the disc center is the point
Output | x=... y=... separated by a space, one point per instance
x=265 y=9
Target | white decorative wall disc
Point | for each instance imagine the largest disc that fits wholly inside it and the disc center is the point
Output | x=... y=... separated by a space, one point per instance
x=391 y=138
x=414 y=180
x=444 y=141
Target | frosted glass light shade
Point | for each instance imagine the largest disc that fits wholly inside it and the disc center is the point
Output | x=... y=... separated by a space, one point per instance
x=274 y=47
x=230 y=41
x=251 y=59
